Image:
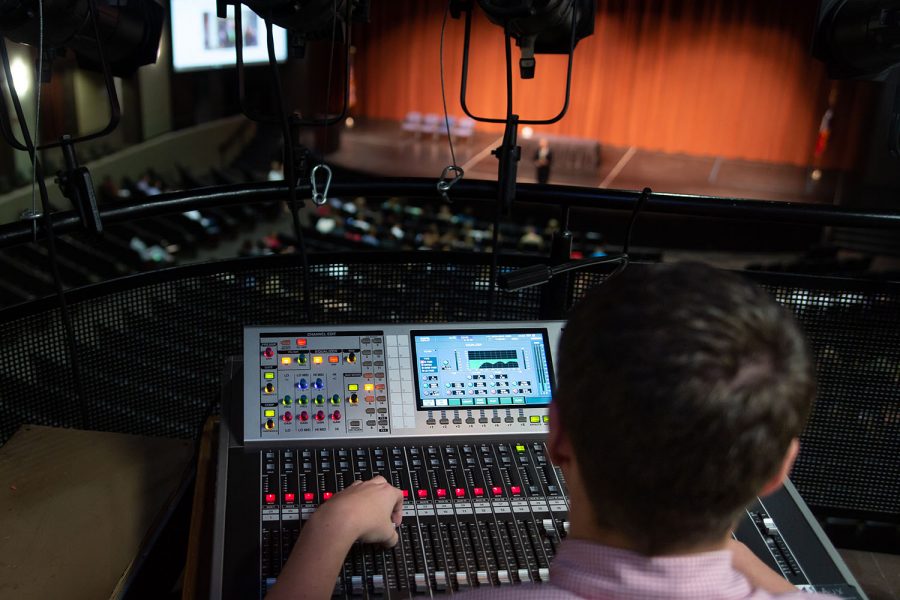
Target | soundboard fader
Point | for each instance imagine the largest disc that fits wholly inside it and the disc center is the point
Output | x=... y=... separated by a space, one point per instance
x=459 y=426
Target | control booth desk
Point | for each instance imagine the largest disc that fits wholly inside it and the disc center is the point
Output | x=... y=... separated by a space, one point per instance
x=456 y=416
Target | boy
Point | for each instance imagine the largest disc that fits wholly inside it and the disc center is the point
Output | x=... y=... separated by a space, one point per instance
x=682 y=390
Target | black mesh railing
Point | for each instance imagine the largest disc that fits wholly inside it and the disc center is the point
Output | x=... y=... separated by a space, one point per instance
x=152 y=346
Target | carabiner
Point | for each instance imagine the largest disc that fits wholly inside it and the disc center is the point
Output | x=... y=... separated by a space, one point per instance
x=445 y=182
x=320 y=198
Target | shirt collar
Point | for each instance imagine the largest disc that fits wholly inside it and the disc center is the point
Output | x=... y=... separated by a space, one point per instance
x=588 y=568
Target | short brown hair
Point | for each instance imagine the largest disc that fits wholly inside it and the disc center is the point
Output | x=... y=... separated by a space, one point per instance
x=680 y=388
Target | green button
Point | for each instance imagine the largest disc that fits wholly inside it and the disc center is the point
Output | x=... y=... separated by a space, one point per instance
x=353 y=387
x=493 y=401
x=546 y=418
x=520 y=448
x=454 y=402
x=269 y=375
x=505 y=400
x=468 y=401
x=481 y=401
x=518 y=400
x=535 y=419
x=270 y=413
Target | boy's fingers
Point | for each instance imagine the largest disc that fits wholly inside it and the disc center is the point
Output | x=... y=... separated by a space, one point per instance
x=357 y=482
x=392 y=541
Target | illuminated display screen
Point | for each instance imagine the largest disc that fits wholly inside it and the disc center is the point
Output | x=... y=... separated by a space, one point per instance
x=482 y=369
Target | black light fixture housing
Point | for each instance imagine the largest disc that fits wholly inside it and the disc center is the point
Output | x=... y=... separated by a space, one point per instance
x=542 y=26
x=129 y=30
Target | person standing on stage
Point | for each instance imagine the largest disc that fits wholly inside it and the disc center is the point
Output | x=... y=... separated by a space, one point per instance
x=542 y=160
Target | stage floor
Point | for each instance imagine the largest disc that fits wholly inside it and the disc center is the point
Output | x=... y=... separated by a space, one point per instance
x=381 y=148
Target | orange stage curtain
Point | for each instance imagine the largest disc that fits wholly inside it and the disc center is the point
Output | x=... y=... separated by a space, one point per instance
x=704 y=77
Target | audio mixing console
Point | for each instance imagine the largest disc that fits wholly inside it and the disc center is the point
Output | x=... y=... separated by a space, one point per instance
x=453 y=415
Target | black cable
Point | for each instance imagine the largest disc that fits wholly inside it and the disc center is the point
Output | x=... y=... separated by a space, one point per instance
x=443 y=94
x=290 y=177
x=642 y=199
x=51 y=241
x=331 y=62
x=495 y=238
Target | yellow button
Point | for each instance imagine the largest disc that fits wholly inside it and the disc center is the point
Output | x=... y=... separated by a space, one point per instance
x=317 y=360
x=285 y=360
x=369 y=387
x=535 y=419
x=353 y=387
x=546 y=418
x=269 y=375
x=520 y=448
x=270 y=412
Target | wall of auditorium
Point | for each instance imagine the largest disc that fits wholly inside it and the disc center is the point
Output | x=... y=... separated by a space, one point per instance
x=704 y=77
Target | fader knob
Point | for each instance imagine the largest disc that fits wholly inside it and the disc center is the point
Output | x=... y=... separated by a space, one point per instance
x=353 y=399
x=268 y=352
x=336 y=415
x=319 y=399
x=302 y=384
x=301 y=360
x=320 y=415
x=270 y=425
x=287 y=417
x=440 y=579
x=336 y=399
x=303 y=399
x=286 y=401
x=351 y=358
x=303 y=416
x=270 y=389
x=319 y=384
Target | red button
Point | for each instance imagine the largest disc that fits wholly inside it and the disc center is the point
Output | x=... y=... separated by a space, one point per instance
x=379 y=386
x=327 y=495
x=334 y=359
x=406 y=493
x=441 y=493
x=320 y=416
x=304 y=416
x=478 y=491
x=336 y=415
x=269 y=352
x=460 y=493
x=423 y=493
x=515 y=490
x=496 y=490
x=289 y=498
x=270 y=498
x=309 y=497
x=301 y=341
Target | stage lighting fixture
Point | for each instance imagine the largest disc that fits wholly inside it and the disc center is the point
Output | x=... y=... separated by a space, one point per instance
x=542 y=26
x=308 y=20
x=128 y=29
x=858 y=38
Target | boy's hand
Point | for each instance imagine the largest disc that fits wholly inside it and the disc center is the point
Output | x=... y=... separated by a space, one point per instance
x=368 y=511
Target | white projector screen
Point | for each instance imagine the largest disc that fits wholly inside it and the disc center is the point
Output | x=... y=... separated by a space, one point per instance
x=201 y=40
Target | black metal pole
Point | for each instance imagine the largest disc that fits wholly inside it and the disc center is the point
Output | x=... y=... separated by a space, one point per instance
x=555 y=294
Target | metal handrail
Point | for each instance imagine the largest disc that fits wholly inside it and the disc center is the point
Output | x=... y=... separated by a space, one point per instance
x=478 y=191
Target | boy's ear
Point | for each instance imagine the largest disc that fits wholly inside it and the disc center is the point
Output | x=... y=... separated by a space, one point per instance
x=778 y=479
x=558 y=440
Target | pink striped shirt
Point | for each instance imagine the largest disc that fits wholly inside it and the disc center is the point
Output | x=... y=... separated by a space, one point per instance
x=587 y=570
